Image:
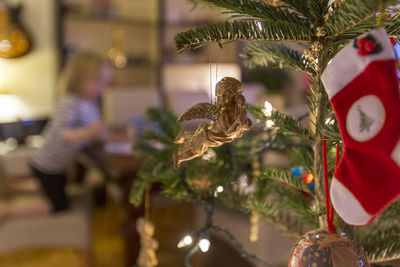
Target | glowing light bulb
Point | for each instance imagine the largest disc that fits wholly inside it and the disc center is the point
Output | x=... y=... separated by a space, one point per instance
x=204 y=245
x=187 y=240
x=269 y=123
x=220 y=189
x=267 y=109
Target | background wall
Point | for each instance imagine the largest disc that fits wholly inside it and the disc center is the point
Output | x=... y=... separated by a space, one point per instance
x=31 y=80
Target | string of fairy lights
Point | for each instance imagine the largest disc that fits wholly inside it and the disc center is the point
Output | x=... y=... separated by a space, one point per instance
x=200 y=238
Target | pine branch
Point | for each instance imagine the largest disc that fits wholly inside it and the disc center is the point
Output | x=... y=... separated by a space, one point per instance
x=258 y=55
x=166 y=120
x=278 y=220
x=382 y=245
x=354 y=17
x=297 y=203
x=318 y=10
x=283 y=123
x=302 y=156
x=289 y=126
x=257 y=111
x=312 y=97
x=393 y=26
x=255 y=9
x=224 y=32
x=389 y=218
x=300 y=6
x=158 y=137
x=283 y=176
x=136 y=192
x=332 y=134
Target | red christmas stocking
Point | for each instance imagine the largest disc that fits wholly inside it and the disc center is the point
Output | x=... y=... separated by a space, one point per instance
x=363 y=88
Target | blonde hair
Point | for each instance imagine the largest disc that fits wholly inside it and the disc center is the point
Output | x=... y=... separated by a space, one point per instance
x=79 y=69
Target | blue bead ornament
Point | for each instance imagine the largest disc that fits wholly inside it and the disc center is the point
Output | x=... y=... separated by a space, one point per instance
x=297 y=171
x=312 y=186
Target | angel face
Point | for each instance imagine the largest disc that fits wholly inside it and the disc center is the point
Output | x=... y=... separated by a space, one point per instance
x=226 y=89
x=225 y=98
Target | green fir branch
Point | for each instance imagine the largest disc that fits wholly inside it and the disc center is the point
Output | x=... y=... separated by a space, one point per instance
x=257 y=111
x=382 y=245
x=224 y=32
x=318 y=10
x=136 y=192
x=298 y=204
x=332 y=134
x=284 y=176
x=289 y=126
x=255 y=9
x=158 y=137
x=302 y=156
x=271 y=214
x=393 y=26
x=354 y=17
x=300 y=7
x=281 y=55
x=312 y=97
x=283 y=123
x=389 y=218
x=166 y=120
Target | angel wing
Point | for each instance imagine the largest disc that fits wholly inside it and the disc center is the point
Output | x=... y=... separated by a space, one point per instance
x=200 y=111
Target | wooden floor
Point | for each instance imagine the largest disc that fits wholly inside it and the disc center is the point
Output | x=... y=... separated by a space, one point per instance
x=172 y=222
x=108 y=249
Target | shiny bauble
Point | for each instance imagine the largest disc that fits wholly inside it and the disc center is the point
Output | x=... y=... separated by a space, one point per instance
x=322 y=248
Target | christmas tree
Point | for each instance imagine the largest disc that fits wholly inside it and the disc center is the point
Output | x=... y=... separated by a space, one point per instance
x=221 y=177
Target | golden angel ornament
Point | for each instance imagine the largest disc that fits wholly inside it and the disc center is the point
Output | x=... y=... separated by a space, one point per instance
x=147 y=254
x=229 y=121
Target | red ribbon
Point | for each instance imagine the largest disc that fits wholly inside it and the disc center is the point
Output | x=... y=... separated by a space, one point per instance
x=329 y=208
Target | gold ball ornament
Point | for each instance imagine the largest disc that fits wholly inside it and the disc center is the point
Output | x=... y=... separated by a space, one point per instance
x=322 y=248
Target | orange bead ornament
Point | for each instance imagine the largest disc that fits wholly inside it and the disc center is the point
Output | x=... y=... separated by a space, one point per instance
x=308 y=178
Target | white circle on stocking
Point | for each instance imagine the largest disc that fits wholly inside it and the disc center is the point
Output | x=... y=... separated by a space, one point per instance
x=365 y=118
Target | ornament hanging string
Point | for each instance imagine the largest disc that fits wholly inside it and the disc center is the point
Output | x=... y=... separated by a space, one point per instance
x=147 y=204
x=211 y=90
x=216 y=80
x=329 y=208
x=213 y=96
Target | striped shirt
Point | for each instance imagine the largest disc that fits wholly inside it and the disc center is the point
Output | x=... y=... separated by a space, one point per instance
x=56 y=155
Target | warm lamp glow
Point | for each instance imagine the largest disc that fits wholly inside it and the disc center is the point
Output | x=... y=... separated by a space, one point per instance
x=2 y=75
x=11 y=108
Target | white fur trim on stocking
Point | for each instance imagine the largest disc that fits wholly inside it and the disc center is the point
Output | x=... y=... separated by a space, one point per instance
x=347 y=206
x=347 y=64
x=396 y=154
